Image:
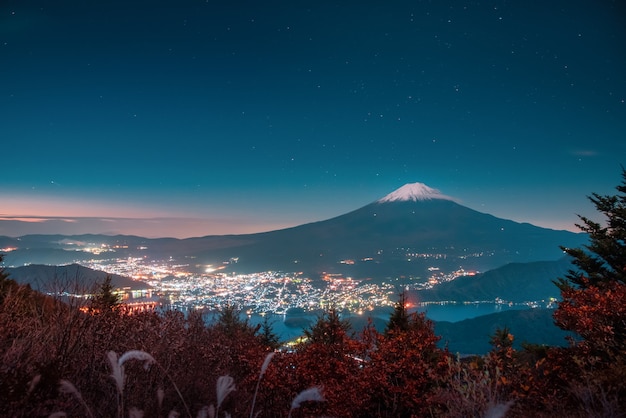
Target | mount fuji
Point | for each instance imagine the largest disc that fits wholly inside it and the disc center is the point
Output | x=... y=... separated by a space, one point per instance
x=403 y=233
x=414 y=192
x=406 y=232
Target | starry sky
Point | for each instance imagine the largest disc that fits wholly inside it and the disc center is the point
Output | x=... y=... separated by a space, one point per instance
x=188 y=118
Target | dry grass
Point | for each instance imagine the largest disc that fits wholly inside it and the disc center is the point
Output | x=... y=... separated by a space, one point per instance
x=225 y=385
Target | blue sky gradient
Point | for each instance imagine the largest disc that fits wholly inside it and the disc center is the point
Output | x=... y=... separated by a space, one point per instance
x=243 y=116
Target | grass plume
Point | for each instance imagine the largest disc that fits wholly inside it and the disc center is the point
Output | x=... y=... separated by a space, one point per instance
x=137 y=355
x=148 y=360
x=65 y=386
x=224 y=386
x=313 y=394
x=264 y=367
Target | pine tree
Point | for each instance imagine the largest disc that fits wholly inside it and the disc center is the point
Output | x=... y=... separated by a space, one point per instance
x=267 y=335
x=593 y=303
x=408 y=363
x=399 y=319
x=594 y=307
x=603 y=260
x=501 y=339
x=105 y=299
x=329 y=329
x=230 y=323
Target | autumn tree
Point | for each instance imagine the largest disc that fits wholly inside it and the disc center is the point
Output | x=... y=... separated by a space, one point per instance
x=594 y=305
x=594 y=294
x=603 y=260
x=407 y=365
x=329 y=358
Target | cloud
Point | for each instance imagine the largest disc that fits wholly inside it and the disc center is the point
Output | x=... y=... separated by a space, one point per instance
x=34 y=219
x=584 y=153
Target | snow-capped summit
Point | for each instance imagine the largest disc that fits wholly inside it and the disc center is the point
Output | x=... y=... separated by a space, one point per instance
x=414 y=192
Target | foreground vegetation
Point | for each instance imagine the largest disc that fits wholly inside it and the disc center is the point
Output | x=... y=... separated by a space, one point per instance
x=57 y=359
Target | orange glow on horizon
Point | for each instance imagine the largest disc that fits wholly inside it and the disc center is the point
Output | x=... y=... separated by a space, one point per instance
x=56 y=207
x=34 y=219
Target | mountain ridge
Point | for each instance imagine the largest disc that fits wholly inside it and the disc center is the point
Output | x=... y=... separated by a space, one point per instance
x=513 y=282
x=404 y=233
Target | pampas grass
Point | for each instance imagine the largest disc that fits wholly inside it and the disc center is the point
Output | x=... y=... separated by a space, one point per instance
x=264 y=367
x=224 y=386
x=118 y=375
x=498 y=410
x=117 y=372
x=139 y=356
x=65 y=386
x=33 y=383
x=204 y=412
x=117 y=367
x=135 y=413
x=313 y=394
x=160 y=397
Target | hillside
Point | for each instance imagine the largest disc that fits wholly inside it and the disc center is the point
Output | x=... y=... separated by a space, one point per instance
x=68 y=278
x=471 y=336
x=514 y=282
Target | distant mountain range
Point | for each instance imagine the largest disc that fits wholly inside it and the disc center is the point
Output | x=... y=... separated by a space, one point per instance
x=400 y=235
x=71 y=278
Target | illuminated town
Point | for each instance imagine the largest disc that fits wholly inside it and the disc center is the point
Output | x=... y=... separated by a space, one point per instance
x=178 y=286
x=169 y=283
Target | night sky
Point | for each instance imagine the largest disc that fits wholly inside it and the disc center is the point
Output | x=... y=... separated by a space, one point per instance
x=188 y=118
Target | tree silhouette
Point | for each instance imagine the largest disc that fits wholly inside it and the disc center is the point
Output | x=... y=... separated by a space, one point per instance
x=331 y=358
x=399 y=319
x=105 y=298
x=408 y=364
x=603 y=260
x=501 y=339
x=267 y=335
x=329 y=329
x=230 y=323
x=593 y=303
x=593 y=306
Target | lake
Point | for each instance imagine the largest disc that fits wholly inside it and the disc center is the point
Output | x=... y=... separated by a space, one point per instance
x=452 y=312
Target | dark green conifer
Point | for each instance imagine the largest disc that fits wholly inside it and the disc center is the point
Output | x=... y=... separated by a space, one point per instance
x=267 y=335
x=400 y=319
x=329 y=329
x=229 y=321
x=105 y=299
x=603 y=260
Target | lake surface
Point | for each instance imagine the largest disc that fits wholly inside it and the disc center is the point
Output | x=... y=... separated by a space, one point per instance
x=288 y=327
x=458 y=312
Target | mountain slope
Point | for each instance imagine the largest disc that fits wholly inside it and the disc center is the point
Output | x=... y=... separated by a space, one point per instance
x=471 y=336
x=386 y=232
x=514 y=282
x=402 y=234
x=67 y=278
